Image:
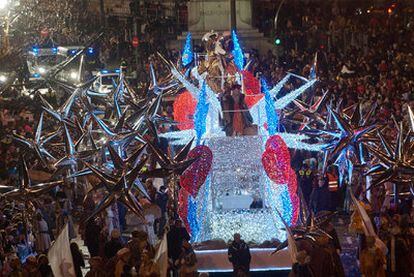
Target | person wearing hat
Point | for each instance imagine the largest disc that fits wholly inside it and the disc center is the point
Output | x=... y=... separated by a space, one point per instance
x=325 y=261
x=113 y=245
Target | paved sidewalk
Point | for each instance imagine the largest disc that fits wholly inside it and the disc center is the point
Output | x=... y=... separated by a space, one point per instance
x=349 y=246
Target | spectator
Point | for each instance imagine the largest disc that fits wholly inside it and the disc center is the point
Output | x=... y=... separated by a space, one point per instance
x=305 y=177
x=96 y=270
x=123 y=267
x=187 y=261
x=136 y=245
x=113 y=245
x=30 y=268
x=16 y=267
x=92 y=231
x=320 y=200
x=77 y=257
x=148 y=267
x=43 y=237
x=239 y=256
x=161 y=199
x=372 y=259
x=44 y=267
x=175 y=238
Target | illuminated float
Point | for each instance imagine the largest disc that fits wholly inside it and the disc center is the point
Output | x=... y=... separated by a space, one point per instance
x=242 y=180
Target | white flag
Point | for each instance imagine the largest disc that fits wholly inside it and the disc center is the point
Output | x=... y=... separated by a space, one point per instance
x=367 y=225
x=60 y=257
x=161 y=257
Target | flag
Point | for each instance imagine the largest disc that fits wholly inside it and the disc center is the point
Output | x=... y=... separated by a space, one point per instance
x=367 y=224
x=161 y=257
x=60 y=257
x=411 y=115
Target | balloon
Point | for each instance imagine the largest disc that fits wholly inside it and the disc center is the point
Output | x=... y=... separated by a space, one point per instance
x=36 y=145
x=119 y=188
x=184 y=108
x=277 y=143
x=310 y=114
x=294 y=198
x=395 y=160
x=276 y=160
x=26 y=191
x=176 y=165
x=195 y=175
x=292 y=184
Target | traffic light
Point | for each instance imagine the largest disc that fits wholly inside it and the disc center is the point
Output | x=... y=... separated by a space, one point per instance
x=278 y=41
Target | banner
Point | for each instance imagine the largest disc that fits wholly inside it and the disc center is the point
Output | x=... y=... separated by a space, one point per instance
x=60 y=257
x=367 y=224
x=161 y=257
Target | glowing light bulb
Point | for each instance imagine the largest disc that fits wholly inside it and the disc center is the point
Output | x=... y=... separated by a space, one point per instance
x=3 y=4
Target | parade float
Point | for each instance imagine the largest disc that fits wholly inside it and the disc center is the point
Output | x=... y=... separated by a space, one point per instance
x=219 y=191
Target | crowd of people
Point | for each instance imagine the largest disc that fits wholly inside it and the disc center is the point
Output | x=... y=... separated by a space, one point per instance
x=360 y=58
x=112 y=249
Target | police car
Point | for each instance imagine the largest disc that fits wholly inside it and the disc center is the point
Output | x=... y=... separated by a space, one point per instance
x=105 y=80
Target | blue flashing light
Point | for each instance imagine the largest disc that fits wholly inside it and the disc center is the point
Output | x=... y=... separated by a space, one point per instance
x=36 y=75
x=72 y=52
x=35 y=50
x=117 y=70
x=90 y=50
x=54 y=50
x=104 y=71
